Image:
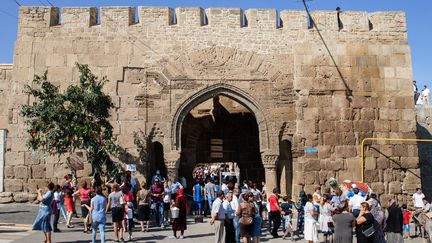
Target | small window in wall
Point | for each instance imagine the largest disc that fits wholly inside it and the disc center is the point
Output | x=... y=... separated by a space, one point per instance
x=2 y=157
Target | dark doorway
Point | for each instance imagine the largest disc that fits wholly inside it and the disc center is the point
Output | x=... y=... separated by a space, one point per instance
x=285 y=168
x=227 y=122
x=156 y=158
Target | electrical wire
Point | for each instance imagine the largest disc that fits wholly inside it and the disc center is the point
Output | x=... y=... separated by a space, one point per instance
x=50 y=3
x=40 y=1
x=16 y=1
x=8 y=14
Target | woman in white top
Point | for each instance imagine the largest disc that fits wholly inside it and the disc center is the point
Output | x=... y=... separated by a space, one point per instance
x=325 y=218
x=167 y=201
x=310 y=228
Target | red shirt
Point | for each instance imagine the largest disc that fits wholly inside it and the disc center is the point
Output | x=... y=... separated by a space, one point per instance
x=128 y=197
x=84 y=194
x=273 y=203
x=406 y=217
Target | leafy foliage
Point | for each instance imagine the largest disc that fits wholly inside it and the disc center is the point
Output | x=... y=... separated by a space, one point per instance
x=63 y=121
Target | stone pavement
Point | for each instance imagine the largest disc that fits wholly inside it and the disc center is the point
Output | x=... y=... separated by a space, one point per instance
x=16 y=220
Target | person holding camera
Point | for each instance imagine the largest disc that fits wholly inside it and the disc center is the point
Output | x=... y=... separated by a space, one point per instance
x=43 y=218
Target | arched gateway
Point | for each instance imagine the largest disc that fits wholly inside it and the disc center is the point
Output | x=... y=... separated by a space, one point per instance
x=237 y=131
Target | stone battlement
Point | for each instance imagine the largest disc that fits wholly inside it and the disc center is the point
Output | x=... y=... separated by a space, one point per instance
x=226 y=18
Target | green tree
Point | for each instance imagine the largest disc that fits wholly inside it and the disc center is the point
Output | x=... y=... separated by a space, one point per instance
x=61 y=122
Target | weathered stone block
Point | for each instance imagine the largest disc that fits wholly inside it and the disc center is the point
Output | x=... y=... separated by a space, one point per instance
x=331 y=138
x=14 y=158
x=13 y=185
x=371 y=175
x=8 y=172
x=21 y=197
x=346 y=151
x=343 y=126
x=345 y=175
x=382 y=163
x=385 y=198
x=38 y=171
x=33 y=184
x=21 y=172
x=312 y=165
x=363 y=126
x=378 y=187
x=128 y=114
x=370 y=163
x=395 y=187
x=324 y=152
x=33 y=158
x=322 y=177
x=410 y=162
x=261 y=18
x=367 y=114
x=294 y=19
x=310 y=177
x=334 y=165
x=6 y=197
x=326 y=126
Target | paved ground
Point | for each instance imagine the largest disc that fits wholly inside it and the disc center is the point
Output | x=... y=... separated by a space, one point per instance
x=16 y=220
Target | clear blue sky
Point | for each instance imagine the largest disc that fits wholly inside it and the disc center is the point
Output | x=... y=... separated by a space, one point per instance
x=417 y=11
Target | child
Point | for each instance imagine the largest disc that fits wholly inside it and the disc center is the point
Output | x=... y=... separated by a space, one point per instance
x=406 y=221
x=287 y=217
x=129 y=219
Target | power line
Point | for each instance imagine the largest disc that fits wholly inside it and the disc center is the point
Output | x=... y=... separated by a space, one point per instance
x=16 y=1
x=50 y=3
x=348 y=91
x=40 y=1
x=8 y=14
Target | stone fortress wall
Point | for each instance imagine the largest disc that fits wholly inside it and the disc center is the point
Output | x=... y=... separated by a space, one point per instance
x=326 y=89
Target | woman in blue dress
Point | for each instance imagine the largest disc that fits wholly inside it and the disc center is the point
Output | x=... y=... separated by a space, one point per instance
x=43 y=219
x=257 y=220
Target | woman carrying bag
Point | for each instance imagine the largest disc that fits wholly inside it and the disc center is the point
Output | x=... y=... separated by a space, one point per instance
x=246 y=212
x=179 y=223
x=365 y=229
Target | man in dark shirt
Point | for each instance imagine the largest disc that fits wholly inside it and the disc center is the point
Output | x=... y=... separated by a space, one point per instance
x=157 y=192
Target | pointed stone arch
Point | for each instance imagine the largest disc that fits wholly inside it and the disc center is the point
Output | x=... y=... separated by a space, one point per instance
x=229 y=91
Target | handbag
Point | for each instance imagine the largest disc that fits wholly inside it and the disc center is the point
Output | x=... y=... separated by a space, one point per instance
x=369 y=231
x=246 y=214
x=246 y=220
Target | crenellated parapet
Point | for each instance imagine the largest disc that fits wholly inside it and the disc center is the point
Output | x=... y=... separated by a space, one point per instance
x=227 y=18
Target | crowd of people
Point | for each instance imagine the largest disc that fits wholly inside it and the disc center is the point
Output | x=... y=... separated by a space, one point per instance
x=238 y=212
